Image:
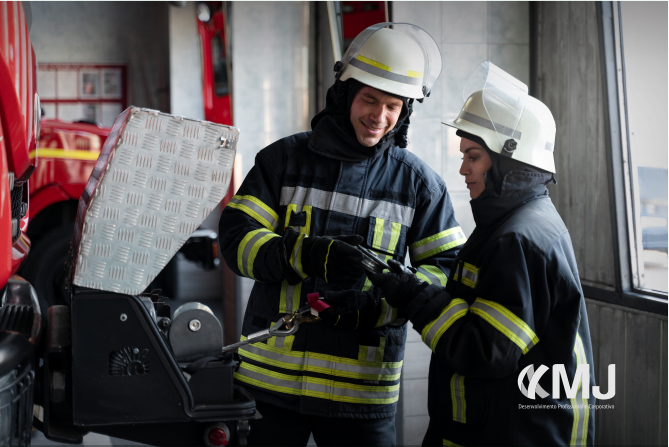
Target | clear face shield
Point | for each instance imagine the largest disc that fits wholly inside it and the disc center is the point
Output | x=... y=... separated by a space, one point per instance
x=431 y=53
x=504 y=99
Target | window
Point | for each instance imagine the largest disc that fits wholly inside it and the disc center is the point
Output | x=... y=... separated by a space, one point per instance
x=82 y=92
x=642 y=42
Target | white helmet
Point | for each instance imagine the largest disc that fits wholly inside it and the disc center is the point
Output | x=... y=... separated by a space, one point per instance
x=498 y=110
x=397 y=58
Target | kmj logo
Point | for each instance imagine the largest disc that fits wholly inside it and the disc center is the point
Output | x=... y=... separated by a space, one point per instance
x=582 y=376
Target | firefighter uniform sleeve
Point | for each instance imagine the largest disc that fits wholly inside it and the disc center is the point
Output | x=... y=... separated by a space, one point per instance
x=435 y=237
x=486 y=334
x=249 y=224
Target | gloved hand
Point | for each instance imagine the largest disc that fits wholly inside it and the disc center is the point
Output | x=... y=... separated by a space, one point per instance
x=400 y=286
x=351 y=309
x=333 y=258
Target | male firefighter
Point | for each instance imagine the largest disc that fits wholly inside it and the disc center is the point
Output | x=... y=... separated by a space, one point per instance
x=293 y=225
x=513 y=305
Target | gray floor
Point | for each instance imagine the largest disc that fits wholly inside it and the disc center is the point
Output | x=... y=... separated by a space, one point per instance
x=90 y=439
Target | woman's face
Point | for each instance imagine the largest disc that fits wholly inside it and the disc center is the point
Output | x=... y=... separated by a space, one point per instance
x=475 y=163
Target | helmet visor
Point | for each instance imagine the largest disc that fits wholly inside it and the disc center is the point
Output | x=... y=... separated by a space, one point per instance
x=504 y=98
x=431 y=53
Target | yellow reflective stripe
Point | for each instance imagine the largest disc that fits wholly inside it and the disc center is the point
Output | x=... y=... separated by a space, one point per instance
x=289 y=299
x=386 y=235
x=437 y=243
x=433 y=273
x=296 y=257
x=281 y=342
x=433 y=331
x=325 y=275
x=255 y=208
x=378 y=233
x=316 y=387
x=451 y=444
x=63 y=153
x=373 y=62
x=506 y=322
x=470 y=275
x=579 y=430
x=458 y=398
x=415 y=74
x=294 y=208
x=395 y=232
x=387 y=315
x=372 y=353
x=330 y=365
x=367 y=285
x=249 y=247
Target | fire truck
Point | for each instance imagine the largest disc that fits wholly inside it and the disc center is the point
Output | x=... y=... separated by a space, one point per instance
x=20 y=316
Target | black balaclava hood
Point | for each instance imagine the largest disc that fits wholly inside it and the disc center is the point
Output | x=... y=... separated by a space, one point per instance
x=498 y=179
x=334 y=135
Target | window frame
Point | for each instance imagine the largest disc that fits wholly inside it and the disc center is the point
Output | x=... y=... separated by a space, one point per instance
x=623 y=183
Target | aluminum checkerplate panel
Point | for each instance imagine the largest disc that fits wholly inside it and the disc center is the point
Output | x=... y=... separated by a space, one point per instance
x=155 y=181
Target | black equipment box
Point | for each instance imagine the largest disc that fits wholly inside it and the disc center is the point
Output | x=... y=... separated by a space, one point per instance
x=124 y=372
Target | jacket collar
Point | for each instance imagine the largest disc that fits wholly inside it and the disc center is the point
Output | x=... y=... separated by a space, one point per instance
x=333 y=134
x=518 y=188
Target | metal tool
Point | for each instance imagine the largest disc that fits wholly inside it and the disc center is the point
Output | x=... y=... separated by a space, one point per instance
x=371 y=262
x=291 y=322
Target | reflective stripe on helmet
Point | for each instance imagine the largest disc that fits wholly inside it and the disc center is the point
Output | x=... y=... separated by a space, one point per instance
x=496 y=127
x=382 y=72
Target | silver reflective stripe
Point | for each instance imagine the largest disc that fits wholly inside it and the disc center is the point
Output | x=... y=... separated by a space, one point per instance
x=324 y=388
x=302 y=361
x=506 y=322
x=489 y=125
x=371 y=353
x=458 y=398
x=278 y=342
x=290 y=291
x=434 y=330
x=549 y=146
x=418 y=251
x=432 y=278
x=255 y=208
x=346 y=204
x=580 y=408
x=387 y=315
x=364 y=66
x=247 y=252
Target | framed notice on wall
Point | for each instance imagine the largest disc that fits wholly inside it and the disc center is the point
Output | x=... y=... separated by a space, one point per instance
x=95 y=93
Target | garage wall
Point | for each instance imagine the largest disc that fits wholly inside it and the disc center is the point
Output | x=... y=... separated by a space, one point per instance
x=135 y=33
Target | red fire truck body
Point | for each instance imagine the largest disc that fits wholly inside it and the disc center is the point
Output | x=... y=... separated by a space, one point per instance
x=18 y=105
x=64 y=160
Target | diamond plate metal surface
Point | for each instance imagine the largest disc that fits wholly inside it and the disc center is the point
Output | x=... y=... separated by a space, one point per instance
x=155 y=181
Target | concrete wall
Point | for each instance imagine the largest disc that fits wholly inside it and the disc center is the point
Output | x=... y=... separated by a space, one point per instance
x=134 y=33
x=468 y=33
x=271 y=99
x=185 y=63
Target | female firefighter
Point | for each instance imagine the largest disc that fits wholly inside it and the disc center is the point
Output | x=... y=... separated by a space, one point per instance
x=513 y=301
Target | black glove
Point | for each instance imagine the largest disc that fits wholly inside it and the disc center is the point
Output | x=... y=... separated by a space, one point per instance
x=399 y=287
x=335 y=259
x=351 y=309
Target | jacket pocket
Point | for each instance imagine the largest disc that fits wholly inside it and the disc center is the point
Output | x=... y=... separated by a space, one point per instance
x=386 y=236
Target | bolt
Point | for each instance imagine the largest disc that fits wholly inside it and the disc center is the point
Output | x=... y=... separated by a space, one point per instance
x=124 y=317
x=135 y=351
x=194 y=325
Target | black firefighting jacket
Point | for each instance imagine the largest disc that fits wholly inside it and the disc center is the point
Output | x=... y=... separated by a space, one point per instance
x=392 y=199
x=513 y=299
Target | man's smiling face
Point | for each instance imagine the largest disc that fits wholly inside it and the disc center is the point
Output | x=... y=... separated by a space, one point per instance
x=374 y=114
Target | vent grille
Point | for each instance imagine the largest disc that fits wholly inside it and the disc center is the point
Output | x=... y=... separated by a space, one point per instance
x=18 y=319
